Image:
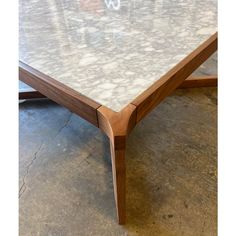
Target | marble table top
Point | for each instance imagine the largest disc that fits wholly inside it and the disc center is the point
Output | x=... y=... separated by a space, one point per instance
x=111 y=50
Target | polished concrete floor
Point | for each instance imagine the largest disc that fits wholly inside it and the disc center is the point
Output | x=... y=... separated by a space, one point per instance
x=65 y=182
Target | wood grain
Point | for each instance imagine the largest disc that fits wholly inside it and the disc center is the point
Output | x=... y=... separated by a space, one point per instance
x=60 y=93
x=149 y=99
x=117 y=123
x=117 y=126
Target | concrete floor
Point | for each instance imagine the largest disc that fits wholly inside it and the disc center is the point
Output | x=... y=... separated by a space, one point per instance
x=66 y=179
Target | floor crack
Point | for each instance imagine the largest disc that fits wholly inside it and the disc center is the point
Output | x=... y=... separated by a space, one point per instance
x=23 y=186
x=65 y=124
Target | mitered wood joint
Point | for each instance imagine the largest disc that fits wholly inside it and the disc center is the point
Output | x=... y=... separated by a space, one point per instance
x=116 y=124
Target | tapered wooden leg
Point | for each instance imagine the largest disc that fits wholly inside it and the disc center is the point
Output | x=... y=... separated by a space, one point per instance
x=117 y=126
x=117 y=146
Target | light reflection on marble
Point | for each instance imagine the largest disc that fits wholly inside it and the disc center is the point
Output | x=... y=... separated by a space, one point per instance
x=111 y=50
x=113 y=4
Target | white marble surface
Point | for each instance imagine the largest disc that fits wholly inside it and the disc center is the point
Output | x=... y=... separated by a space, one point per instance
x=111 y=50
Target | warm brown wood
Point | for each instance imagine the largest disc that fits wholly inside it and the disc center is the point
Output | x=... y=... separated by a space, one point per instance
x=196 y=82
x=117 y=123
x=149 y=99
x=30 y=94
x=117 y=126
x=60 y=93
x=119 y=177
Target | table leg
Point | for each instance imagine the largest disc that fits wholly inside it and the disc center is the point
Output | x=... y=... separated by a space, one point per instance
x=117 y=126
x=30 y=94
x=117 y=145
x=201 y=81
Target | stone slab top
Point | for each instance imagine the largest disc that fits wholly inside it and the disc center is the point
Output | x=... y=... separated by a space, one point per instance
x=111 y=50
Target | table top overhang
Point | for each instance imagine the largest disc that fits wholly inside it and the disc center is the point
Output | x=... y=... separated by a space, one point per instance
x=112 y=51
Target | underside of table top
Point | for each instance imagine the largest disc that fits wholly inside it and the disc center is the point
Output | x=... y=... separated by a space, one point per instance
x=112 y=51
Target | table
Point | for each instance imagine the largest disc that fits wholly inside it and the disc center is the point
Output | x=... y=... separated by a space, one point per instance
x=112 y=62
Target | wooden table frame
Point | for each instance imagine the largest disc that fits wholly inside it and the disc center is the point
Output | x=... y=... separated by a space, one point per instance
x=118 y=125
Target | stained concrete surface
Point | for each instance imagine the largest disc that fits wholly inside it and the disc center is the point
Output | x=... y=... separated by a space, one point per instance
x=65 y=175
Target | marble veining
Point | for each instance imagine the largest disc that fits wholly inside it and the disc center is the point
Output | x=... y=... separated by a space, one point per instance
x=111 y=50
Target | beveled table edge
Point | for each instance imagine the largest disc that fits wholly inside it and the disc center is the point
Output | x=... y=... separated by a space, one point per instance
x=60 y=93
x=151 y=97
